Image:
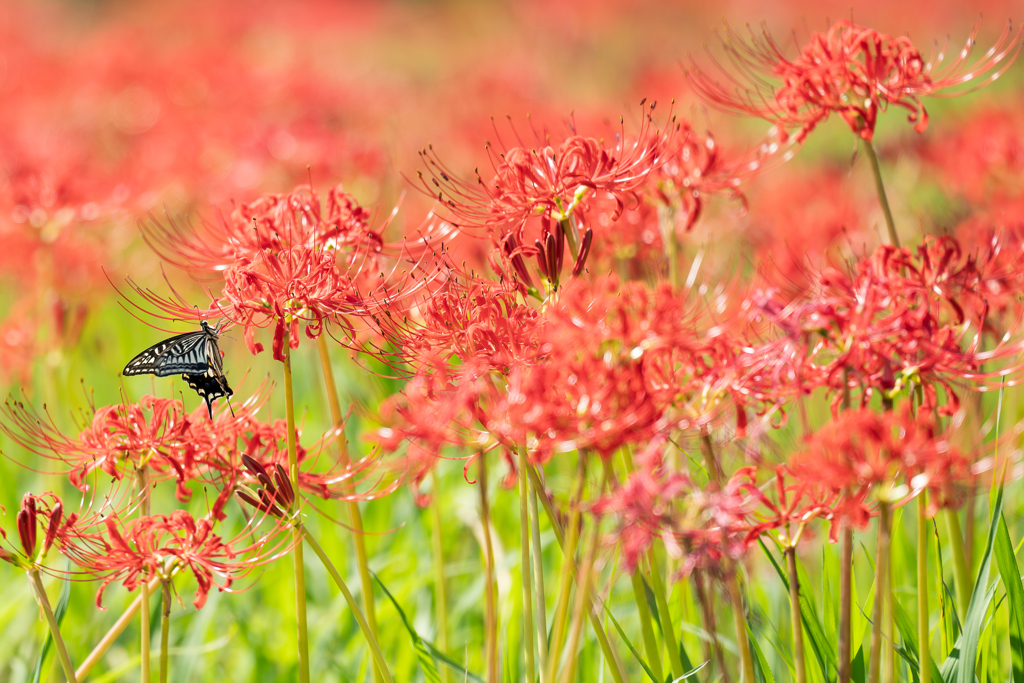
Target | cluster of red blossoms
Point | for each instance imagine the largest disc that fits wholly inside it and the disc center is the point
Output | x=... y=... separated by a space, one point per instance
x=590 y=326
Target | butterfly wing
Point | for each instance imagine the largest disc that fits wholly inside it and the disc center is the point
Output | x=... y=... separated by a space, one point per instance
x=209 y=387
x=185 y=353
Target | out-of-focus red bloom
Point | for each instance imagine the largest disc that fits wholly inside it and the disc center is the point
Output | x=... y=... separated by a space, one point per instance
x=863 y=450
x=900 y=316
x=795 y=505
x=851 y=70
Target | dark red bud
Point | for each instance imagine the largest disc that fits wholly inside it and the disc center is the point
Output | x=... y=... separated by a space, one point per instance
x=285 y=495
x=27 y=525
x=551 y=251
x=581 y=259
x=542 y=259
x=56 y=515
x=259 y=470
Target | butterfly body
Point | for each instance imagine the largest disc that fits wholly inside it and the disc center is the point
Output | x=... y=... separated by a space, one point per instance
x=193 y=355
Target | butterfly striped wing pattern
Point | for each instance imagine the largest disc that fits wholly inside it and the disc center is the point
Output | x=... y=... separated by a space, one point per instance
x=193 y=355
x=186 y=353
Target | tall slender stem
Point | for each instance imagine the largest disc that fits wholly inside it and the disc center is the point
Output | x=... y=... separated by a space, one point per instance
x=667 y=628
x=582 y=604
x=708 y=617
x=440 y=589
x=923 y=632
x=142 y=474
x=62 y=652
x=355 y=518
x=490 y=604
x=845 y=600
x=878 y=616
x=297 y=562
x=145 y=636
x=799 y=660
x=614 y=665
x=375 y=651
x=524 y=543
x=112 y=635
x=961 y=575
x=165 y=629
x=646 y=627
x=538 y=582
x=880 y=188
x=569 y=572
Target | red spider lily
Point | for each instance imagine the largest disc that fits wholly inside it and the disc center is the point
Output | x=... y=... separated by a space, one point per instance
x=469 y=319
x=794 y=506
x=538 y=180
x=863 y=450
x=274 y=222
x=154 y=433
x=647 y=506
x=900 y=316
x=850 y=70
x=137 y=550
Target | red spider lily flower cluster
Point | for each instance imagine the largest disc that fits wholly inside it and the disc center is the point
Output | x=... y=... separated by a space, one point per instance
x=900 y=316
x=287 y=261
x=850 y=70
x=146 y=547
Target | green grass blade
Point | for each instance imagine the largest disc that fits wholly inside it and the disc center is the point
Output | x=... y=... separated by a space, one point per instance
x=959 y=666
x=636 y=655
x=908 y=631
x=58 y=613
x=451 y=663
x=761 y=669
x=815 y=632
x=426 y=662
x=690 y=674
x=1010 y=573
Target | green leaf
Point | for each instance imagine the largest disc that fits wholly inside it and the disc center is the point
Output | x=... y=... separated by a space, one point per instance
x=451 y=663
x=58 y=613
x=959 y=666
x=636 y=655
x=815 y=632
x=858 y=671
x=908 y=631
x=691 y=673
x=1010 y=574
x=762 y=672
x=427 y=665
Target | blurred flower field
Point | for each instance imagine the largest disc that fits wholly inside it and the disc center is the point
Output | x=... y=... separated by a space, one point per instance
x=621 y=340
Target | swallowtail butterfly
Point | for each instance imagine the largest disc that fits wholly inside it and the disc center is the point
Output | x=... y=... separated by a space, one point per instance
x=194 y=355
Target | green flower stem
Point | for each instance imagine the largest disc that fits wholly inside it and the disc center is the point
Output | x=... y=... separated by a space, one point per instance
x=845 y=601
x=165 y=629
x=145 y=637
x=582 y=605
x=614 y=665
x=646 y=627
x=355 y=518
x=923 y=633
x=440 y=589
x=962 y=576
x=378 y=656
x=297 y=562
x=878 y=616
x=569 y=572
x=667 y=628
x=880 y=188
x=112 y=635
x=524 y=543
x=490 y=606
x=62 y=652
x=538 y=580
x=799 y=661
